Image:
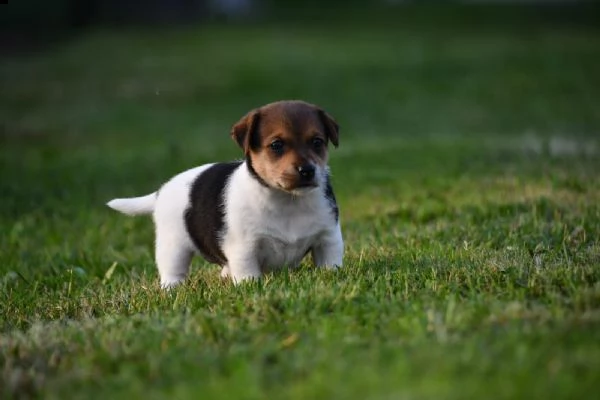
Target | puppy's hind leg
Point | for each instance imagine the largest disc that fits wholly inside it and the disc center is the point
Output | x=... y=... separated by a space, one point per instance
x=174 y=248
x=172 y=259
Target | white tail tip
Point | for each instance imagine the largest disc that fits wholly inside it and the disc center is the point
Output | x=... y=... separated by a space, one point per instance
x=134 y=205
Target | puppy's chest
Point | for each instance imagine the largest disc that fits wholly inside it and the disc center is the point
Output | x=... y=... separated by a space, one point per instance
x=273 y=252
x=284 y=238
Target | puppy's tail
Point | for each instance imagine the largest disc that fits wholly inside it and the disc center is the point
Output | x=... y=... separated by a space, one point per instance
x=134 y=205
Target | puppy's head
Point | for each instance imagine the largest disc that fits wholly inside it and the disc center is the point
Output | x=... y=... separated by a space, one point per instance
x=286 y=144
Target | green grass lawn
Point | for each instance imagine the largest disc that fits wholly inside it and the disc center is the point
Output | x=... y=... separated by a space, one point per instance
x=468 y=177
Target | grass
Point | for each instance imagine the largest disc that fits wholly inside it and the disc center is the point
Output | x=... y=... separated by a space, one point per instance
x=470 y=199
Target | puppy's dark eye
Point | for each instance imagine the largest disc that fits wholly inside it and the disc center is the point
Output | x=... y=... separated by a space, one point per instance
x=318 y=143
x=277 y=146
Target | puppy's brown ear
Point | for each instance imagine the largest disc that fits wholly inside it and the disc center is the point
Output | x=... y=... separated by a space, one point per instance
x=244 y=131
x=332 y=129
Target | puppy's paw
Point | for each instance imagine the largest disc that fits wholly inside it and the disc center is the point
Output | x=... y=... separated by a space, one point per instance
x=168 y=284
x=225 y=272
x=237 y=279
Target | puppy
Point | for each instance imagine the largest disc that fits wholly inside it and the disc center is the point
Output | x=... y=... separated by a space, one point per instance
x=256 y=215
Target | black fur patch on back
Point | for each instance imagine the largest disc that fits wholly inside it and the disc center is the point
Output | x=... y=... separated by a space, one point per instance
x=331 y=197
x=204 y=217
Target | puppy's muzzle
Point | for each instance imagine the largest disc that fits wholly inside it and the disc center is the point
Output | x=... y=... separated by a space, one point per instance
x=306 y=173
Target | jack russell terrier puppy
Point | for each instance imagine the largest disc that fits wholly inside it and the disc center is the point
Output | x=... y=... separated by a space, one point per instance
x=256 y=215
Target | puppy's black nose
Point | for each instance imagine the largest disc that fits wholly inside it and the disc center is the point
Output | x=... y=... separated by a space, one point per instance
x=307 y=172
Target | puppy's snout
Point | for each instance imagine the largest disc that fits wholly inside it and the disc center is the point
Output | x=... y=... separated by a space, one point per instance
x=307 y=172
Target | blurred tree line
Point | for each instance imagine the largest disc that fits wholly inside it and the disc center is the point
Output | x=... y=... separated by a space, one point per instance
x=42 y=15
x=60 y=14
x=28 y=23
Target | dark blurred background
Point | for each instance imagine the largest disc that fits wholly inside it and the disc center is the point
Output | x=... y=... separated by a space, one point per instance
x=99 y=97
x=24 y=21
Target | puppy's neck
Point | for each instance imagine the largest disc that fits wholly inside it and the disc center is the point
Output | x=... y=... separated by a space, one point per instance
x=253 y=172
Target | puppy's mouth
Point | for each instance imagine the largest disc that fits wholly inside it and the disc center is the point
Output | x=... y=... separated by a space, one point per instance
x=297 y=188
x=301 y=185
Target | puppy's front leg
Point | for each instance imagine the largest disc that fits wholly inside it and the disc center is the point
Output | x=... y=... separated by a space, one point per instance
x=242 y=263
x=242 y=270
x=329 y=252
